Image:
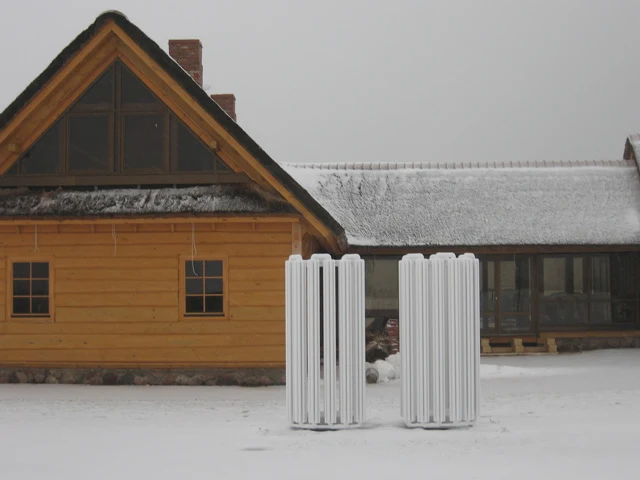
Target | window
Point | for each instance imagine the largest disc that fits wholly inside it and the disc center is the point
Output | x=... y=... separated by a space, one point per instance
x=203 y=290
x=625 y=288
x=381 y=285
x=30 y=289
x=505 y=294
x=488 y=295
x=118 y=126
x=44 y=156
x=597 y=290
x=89 y=143
x=143 y=140
x=189 y=154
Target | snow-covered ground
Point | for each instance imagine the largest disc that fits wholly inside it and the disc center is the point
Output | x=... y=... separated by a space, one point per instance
x=566 y=416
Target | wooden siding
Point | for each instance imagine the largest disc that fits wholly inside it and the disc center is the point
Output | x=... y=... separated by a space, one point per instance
x=117 y=303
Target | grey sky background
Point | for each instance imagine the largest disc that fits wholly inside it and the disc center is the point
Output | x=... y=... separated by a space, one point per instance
x=372 y=80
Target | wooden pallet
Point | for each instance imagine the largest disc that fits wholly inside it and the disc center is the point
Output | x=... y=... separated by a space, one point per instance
x=516 y=346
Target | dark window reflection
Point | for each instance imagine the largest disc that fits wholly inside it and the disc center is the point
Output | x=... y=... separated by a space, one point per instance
x=598 y=289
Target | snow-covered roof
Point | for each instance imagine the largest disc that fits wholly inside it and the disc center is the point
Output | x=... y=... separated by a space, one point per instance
x=215 y=199
x=634 y=143
x=398 y=205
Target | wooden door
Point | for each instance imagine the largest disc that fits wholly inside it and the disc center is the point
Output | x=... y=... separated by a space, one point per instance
x=505 y=295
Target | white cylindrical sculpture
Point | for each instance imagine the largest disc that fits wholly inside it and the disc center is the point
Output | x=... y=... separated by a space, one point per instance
x=325 y=323
x=439 y=340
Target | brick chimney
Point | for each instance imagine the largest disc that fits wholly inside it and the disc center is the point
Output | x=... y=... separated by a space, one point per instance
x=188 y=53
x=227 y=102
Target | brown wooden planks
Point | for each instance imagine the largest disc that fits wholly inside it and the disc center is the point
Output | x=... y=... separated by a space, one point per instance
x=119 y=341
x=268 y=323
x=123 y=309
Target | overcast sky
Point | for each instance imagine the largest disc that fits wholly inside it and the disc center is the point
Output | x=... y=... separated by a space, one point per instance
x=386 y=80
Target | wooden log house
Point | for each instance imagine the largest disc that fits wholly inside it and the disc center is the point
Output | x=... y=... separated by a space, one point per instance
x=140 y=227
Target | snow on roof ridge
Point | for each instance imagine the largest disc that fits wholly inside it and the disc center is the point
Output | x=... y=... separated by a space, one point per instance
x=634 y=138
x=460 y=165
x=499 y=206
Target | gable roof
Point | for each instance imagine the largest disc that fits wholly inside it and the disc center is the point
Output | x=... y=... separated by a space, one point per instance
x=421 y=205
x=273 y=173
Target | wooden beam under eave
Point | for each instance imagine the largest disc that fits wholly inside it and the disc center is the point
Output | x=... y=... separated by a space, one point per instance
x=160 y=219
x=51 y=102
x=296 y=239
x=496 y=249
x=59 y=78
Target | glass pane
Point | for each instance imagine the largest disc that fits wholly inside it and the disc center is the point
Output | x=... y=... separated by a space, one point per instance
x=623 y=276
x=101 y=92
x=600 y=313
x=144 y=142
x=553 y=276
x=40 y=270
x=381 y=284
x=89 y=142
x=194 y=286
x=600 y=276
x=487 y=286
x=515 y=324
x=214 y=304
x=21 y=305
x=213 y=285
x=515 y=293
x=21 y=287
x=578 y=275
x=192 y=155
x=40 y=305
x=40 y=287
x=624 y=312
x=193 y=269
x=13 y=170
x=134 y=91
x=222 y=167
x=550 y=313
x=21 y=270
x=194 y=304
x=44 y=155
x=213 y=268
x=488 y=323
x=565 y=311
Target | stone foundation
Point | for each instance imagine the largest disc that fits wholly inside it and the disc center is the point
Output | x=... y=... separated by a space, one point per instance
x=246 y=377
x=595 y=343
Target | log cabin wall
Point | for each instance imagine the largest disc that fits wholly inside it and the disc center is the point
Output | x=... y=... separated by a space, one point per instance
x=116 y=303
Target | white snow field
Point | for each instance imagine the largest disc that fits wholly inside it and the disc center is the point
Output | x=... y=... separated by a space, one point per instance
x=566 y=416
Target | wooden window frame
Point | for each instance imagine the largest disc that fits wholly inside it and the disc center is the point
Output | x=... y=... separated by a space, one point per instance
x=174 y=146
x=9 y=290
x=110 y=144
x=589 y=298
x=122 y=165
x=498 y=313
x=61 y=123
x=183 y=259
x=116 y=172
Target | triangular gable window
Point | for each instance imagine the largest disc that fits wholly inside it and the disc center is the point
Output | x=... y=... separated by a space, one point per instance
x=118 y=127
